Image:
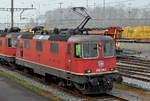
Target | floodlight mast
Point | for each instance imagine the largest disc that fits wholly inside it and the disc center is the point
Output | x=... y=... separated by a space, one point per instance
x=81 y=11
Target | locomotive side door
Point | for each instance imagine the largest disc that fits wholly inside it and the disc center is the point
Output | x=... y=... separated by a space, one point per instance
x=5 y=46
x=20 y=48
x=8 y=42
x=68 y=58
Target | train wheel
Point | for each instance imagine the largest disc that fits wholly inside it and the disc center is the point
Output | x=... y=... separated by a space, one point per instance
x=80 y=87
x=25 y=70
x=61 y=83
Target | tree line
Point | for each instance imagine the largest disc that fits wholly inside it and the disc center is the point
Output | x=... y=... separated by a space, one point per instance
x=109 y=17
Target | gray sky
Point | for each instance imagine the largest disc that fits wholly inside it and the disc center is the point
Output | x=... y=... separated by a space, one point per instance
x=44 y=5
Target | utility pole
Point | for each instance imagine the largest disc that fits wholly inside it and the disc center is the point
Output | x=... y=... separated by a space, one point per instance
x=129 y=10
x=129 y=16
x=87 y=3
x=104 y=8
x=104 y=13
x=12 y=9
x=12 y=13
x=94 y=4
x=61 y=12
x=60 y=4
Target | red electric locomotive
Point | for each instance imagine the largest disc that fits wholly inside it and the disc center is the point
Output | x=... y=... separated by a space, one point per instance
x=85 y=61
x=8 y=45
x=71 y=58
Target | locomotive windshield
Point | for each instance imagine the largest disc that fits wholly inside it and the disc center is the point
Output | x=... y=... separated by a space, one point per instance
x=86 y=50
x=90 y=50
x=108 y=49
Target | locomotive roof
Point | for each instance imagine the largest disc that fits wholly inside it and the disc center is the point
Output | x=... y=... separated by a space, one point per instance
x=69 y=38
x=12 y=34
x=80 y=38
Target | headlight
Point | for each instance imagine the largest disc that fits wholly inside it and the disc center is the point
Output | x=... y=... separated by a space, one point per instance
x=88 y=71
x=112 y=69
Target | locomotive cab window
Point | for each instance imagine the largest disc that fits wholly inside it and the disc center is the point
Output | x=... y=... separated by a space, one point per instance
x=12 y=42
x=0 y=42
x=9 y=43
x=108 y=49
x=78 y=50
x=39 y=46
x=27 y=44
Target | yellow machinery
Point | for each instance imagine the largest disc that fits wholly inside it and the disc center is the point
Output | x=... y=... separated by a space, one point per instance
x=30 y=30
x=136 y=32
x=27 y=30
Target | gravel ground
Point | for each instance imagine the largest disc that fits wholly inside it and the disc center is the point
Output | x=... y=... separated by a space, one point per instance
x=135 y=94
x=122 y=95
x=137 y=83
x=63 y=95
x=68 y=97
x=11 y=91
x=139 y=47
x=133 y=82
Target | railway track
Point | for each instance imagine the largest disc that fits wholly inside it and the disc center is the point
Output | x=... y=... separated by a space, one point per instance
x=108 y=97
x=133 y=58
x=40 y=79
x=134 y=68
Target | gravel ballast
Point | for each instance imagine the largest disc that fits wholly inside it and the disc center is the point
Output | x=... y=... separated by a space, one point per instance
x=137 y=83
